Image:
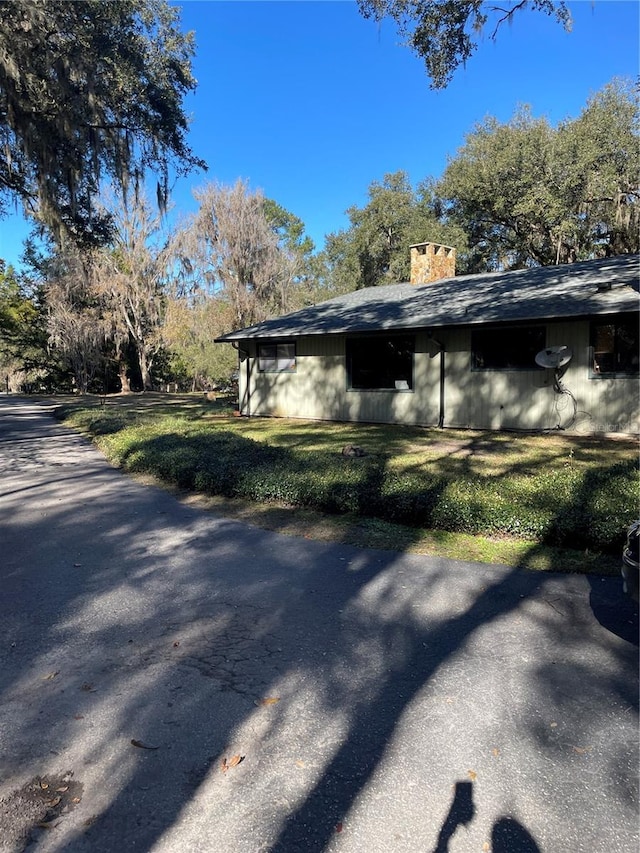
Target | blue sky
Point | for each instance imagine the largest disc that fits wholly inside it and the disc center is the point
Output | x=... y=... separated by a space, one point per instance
x=310 y=102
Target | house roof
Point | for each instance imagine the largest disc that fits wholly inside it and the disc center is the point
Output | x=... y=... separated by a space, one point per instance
x=586 y=288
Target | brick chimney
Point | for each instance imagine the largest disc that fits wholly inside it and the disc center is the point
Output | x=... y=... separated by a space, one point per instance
x=431 y=262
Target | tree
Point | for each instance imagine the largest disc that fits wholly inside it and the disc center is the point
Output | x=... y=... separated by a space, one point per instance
x=76 y=323
x=130 y=277
x=374 y=249
x=527 y=193
x=89 y=89
x=603 y=151
x=21 y=349
x=246 y=250
x=193 y=322
x=444 y=33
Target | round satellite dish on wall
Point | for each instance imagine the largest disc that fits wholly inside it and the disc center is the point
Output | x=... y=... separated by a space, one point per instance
x=554 y=357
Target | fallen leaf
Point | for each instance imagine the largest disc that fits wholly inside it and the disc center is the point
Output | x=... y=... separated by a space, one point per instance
x=78 y=716
x=75 y=799
x=176 y=644
x=231 y=762
x=472 y=775
x=51 y=675
x=54 y=802
x=44 y=785
x=62 y=790
x=495 y=752
x=270 y=700
x=553 y=725
x=582 y=749
x=339 y=826
x=88 y=688
x=142 y=745
x=300 y=764
x=485 y=847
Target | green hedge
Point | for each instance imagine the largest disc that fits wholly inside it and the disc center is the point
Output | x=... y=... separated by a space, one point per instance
x=566 y=506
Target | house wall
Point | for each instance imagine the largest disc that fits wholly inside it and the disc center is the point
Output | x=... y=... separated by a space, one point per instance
x=487 y=399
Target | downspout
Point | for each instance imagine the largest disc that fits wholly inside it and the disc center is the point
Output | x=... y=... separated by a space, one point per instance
x=441 y=416
x=248 y=385
x=441 y=351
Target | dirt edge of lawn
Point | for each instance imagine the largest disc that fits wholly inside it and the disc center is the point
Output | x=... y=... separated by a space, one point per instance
x=385 y=536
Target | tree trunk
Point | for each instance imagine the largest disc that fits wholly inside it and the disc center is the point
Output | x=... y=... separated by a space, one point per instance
x=145 y=371
x=125 y=385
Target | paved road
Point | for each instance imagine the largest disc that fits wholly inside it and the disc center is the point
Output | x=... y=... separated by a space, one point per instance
x=381 y=702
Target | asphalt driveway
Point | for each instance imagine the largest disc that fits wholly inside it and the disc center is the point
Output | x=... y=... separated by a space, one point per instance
x=175 y=681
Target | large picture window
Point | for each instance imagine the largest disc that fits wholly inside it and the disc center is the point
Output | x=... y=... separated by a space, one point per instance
x=277 y=358
x=614 y=347
x=381 y=363
x=508 y=348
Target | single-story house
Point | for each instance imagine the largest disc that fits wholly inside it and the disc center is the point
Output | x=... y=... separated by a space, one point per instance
x=536 y=349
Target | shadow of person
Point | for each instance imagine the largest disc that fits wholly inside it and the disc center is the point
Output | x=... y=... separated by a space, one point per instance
x=462 y=811
x=509 y=836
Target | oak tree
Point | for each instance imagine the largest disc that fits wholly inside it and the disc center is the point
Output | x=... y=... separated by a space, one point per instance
x=89 y=89
x=529 y=193
x=445 y=33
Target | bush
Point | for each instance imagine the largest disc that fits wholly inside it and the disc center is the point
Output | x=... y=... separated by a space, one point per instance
x=586 y=506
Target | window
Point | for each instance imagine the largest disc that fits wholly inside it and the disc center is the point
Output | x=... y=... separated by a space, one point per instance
x=380 y=363
x=277 y=358
x=614 y=347
x=509 y=348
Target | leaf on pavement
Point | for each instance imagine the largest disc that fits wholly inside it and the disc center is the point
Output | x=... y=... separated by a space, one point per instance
x=472 y=775
x=582 y=749
x=227 y=764
x=54 y=802
x=142 y=745
x=269 y=700
x=51 y=675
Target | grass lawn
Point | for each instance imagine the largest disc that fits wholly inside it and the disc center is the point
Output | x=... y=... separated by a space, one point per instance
x=544 y=501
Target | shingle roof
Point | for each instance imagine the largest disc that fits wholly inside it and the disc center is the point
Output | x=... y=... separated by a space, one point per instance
x=570 y=290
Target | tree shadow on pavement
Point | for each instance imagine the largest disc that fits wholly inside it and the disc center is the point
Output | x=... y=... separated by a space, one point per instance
x=338 y=674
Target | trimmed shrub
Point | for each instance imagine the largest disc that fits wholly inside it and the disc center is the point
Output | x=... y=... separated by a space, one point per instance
x=567 y=505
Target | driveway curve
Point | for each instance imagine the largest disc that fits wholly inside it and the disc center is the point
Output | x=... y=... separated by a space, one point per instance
x=171 y=680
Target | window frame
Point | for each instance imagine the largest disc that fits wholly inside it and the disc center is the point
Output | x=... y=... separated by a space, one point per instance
x=356 y=346
x=518 y=331
x=281 y=363
x=614 y=321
